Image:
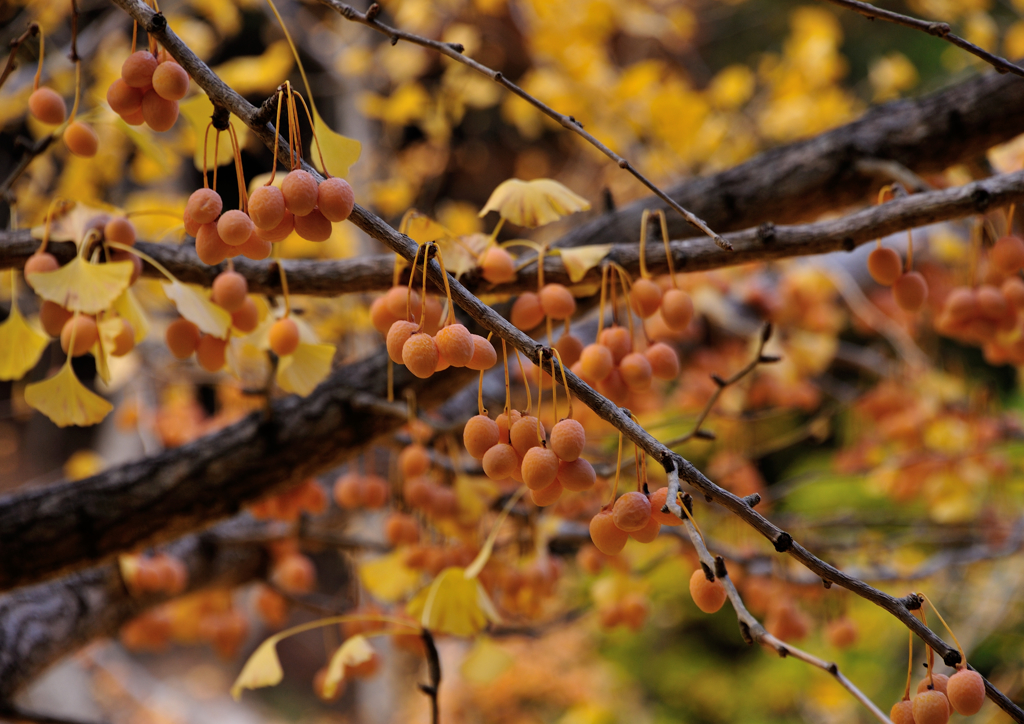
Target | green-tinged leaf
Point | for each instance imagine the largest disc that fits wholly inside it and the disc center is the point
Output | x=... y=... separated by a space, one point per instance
x=20 y=346
x=305 y=368
x=195 y=306
x=388 y=578
x=82 y=286
x=262 y=669
x=353 y=652
x=66 y=401
x=339 y=151
x=582 y=259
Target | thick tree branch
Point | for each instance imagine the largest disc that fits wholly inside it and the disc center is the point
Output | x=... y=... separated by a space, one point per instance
x=767 y=242
x=939 y=30
x=42 y=623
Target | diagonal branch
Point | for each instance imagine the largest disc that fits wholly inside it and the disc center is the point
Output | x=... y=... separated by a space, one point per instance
x=455 y=52
x=939 y=30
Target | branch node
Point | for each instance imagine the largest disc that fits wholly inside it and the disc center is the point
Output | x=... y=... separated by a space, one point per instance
x=951 y=658
x=745 y=633
x=752 y=499
x=826 y=583
x=705 y=435
x=783 y=652
x=157 y=23
x=708 y=573
x=718 y=380
x=221 y=118
x=498 y=77
x=372 y=12
x=783 y=543
x=766 y=332
x=982 y=198
x=623 y=163
x=766 y=232
x=767 y=359
x=457 y=47
x=940 y=30
x=833 y=669
x=266 y=111
x=911 y=602
x=720 y=569
x=688 y=502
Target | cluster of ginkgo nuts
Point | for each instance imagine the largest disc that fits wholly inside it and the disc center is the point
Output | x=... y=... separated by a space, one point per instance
x=909 y=288
x=516 y=446
x=306 y=497
x=617 y=369
x=148 y=90
x=300 y=204
x=409 y=338
x=58 y=321
x=938 y=696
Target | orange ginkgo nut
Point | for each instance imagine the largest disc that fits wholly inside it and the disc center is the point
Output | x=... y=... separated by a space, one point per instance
x=648 y=533
x=497 y=266
x=938 y=682
x=557 y=301
x=210 y=248
x=966 y=692
x=484 y=355
x=505 y=422
x=401 y=302
x=676 y=309
x=266 y=207
x=375 y=492
x=527 y=311
x=658 y=498
x=380 y=316
x=401 y=529
x=576 y=476
x=884 y=266
x=204 y=206
x=159 y=113
x=614 y=388
x=663 y=360
x=182 y=338
x=123 y=99
x=902 y=712
x=523 y=434
x=606 y=536
x=455 y=343
x=636 y=372
x=247 y=317
x=230 y=290
x=313 y=226
x=931 y=707
x=138 y=68
x=211 y=352
x=596 y=362
x=170 y=81
x=397 y=336
x=645 y=297
x=81 y=140
x=567 y=440
x=41 y=262
x=47 y=106
x=234 y=227
x=616 y=339
x=53 y=317
x=548 y=495
x=500 y=461
x=335 y=199
x=119 y=230
x=300 y=192
x=256 y=247
x=284 y=336
x=279 y=232
x=631 y=511
x=708 y=595
x=480 y=435
x=910 y=291
x=86 y=333
x=348 y=491
x=414 y=460
x=540 y=468
x=570 y=348
x=124 y=340
x=1007 y=254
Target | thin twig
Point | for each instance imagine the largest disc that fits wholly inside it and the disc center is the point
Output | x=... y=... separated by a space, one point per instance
x=939 y=30
x=32 y=149
x=455 y=52
x=12 y=63
x=15 y=714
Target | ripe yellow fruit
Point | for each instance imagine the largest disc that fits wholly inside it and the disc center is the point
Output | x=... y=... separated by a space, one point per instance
x=247 y=317
x=676 y=309
x=266 y=207
x=966 y=691
x=596 y=362
x=414 y=461
x=648 y=533
x=902 y=712
x=210 y=248
x=616 y=339
x=523 y=434
x=234 y=227
x=484 y=355
x=527 y=311
x=547 y=496
x=335 y=199
x=663 y=360
x=497 y=266
x=81 y=140
x=708 y=595
x=230 y=290
x=300 y=192
x=658 y=498
x=204 y=206
x=455 y=343
x=284 y=336
x=636 y=372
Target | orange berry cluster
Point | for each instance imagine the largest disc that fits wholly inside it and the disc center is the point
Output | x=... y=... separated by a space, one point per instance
x=293 y=572
x=938 y=696
x=148 y=90
x=410 y=340
x=58 y=321
x=306 y=497
x=616 y=369
x=353 y=491
x=629 y=611
x=553 y=300
x=206 y=617
x=273 y=213
x=647 y=298
x=184 y=338
x=633 y=515
x=909 y=289
x=434 y=559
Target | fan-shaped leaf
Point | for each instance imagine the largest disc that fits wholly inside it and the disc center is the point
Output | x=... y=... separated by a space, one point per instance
x=82 y=286
x=66 y=401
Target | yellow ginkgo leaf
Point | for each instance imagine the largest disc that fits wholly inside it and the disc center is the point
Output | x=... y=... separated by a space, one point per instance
x=258 y=74
x=262 y=669
x=20 y=346
x=485 y=662
x=144 y=141
x=474 y=495
x=66 y=401
x=247 y=360
x=453 y=604
x=388 y=579
x=197 y=111
x=128 y=308
x=582 y=259
x=421 y=229
x=462 y=254
x=339 y=151
x=305 y=368
x=108 y=330
x=71 y=220
x=82 y=286
x=195 y=306
x=353 y=652
x=533 y=203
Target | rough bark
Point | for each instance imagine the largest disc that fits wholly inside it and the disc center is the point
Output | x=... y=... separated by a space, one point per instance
x=40 y=624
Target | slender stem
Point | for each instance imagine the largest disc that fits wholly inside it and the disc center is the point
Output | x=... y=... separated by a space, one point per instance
x=39 y=67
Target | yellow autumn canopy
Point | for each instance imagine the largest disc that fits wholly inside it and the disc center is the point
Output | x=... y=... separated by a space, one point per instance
x=533 y=203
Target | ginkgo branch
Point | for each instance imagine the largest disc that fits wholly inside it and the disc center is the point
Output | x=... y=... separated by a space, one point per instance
x=937 y=29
